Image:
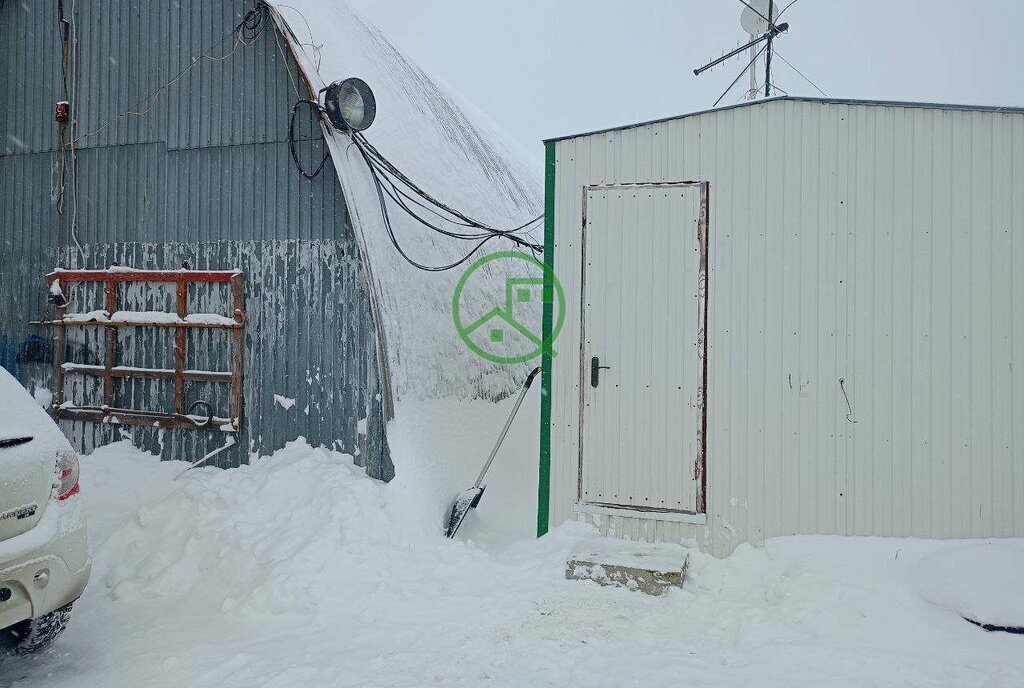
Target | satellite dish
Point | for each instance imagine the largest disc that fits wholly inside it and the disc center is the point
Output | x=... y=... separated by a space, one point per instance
x=755 y=24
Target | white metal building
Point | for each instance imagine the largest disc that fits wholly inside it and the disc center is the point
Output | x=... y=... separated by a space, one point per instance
x=860 y=270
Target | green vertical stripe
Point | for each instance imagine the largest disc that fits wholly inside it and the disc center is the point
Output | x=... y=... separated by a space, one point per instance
x=544 y=483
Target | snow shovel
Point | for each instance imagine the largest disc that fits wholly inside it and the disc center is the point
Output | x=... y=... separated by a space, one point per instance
x=471 y=497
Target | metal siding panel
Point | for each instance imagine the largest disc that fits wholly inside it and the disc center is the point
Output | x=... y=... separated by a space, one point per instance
x=913 y=387
x=890 y=261
x=939 y=391
x=155 y=185
x=1002 y=351
x=981 y=430
x=1016 y=289
x=960 y=321
x=826 y=294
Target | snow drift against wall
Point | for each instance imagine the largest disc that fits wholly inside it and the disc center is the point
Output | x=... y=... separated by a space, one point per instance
x=453 y=153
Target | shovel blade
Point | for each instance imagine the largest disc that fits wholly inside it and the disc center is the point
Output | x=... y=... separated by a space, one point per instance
x=467 y=500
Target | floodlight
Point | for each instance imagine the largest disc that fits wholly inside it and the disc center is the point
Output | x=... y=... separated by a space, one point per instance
x=350 y=104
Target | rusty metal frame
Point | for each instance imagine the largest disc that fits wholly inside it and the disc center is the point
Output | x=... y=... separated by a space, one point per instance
x=181 y=417
x=703 y=226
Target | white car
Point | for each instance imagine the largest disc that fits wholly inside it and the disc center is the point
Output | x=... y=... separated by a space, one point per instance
x=44 y=552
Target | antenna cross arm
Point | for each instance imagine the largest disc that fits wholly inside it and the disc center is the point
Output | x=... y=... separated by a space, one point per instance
x=768 y=35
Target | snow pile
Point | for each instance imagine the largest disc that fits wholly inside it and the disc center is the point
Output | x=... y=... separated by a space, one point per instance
x=89 y=316
x=161 y=317
x=270 y=538
x=144 y=317
x=299 y=571
x=209 y=319
x=983 y=583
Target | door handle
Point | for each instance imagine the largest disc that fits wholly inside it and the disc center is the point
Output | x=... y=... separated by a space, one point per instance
x=595 y=371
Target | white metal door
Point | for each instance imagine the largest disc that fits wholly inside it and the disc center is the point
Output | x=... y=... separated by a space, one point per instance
x=643 y=372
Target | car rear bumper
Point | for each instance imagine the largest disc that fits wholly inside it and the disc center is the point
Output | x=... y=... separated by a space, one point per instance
x=47 y=567
x=39 y=587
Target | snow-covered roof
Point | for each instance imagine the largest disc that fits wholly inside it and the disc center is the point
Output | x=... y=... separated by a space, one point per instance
x=450 y=150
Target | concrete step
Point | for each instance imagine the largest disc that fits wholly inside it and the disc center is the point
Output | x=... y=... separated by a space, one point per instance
x=648 y=568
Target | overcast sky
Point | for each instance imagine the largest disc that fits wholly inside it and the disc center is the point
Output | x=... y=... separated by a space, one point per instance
x=543 y=68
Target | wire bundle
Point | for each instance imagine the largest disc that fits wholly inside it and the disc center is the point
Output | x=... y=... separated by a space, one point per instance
x=291 y=140
x=253 y=24
x=392 y=183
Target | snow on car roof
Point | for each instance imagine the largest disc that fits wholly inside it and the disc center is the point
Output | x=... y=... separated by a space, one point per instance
x=21 y=416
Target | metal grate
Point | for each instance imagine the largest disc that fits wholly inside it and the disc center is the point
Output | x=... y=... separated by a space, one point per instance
x=199 y=414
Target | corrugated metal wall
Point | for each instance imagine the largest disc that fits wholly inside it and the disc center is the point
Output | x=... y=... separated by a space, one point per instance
x=879 y=245
x=203 y=175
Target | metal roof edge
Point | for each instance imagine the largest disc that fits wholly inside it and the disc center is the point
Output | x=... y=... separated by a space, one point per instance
x=800 y=99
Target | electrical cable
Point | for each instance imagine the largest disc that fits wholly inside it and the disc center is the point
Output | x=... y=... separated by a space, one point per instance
x=394 y=239
x=245 y=33
x=287 y=63
x=779 y=55
x=791 y=3
x=398 y=194
x=849 y=406
x=740 y=75
x=391 y=183
x=365 y=145
x=291 y=140
x=315 y=47
x=771 y=24
x=253 y=24
x=73 y=126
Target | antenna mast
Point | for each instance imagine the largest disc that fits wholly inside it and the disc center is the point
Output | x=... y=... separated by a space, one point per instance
x=759 y=21
x=768 y=53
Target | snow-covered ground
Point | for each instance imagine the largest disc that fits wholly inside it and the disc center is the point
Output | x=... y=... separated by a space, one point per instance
x=300 y=571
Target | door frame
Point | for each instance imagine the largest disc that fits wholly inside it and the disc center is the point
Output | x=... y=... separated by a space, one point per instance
x=703 y=283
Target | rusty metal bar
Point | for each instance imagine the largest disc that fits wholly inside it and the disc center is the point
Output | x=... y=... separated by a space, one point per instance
x=120 y=416
x=108 y=323
x=111 y=335
x=61 y=349
x=237 y=350
x=123 y=372
x=224 y=276
x=179 y=350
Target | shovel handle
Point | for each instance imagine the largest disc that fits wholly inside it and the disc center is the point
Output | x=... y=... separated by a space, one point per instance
x=529 y=378
x=508 y=424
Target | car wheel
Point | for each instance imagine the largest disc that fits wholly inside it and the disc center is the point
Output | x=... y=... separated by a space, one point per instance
x=33 y=635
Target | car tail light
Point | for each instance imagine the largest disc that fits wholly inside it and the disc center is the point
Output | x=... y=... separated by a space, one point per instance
x=66 y=482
